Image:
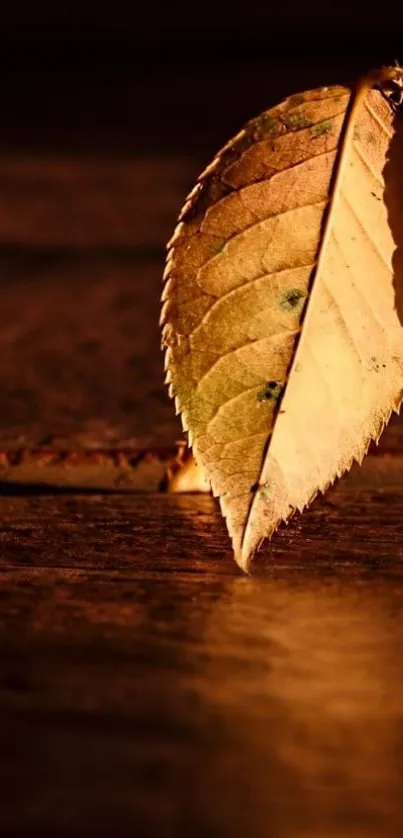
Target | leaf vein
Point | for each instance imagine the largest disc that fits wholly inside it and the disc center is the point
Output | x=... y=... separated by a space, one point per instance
x=358 y=149
x=342 y=317
x=250 y=227
x=364 y=229
x=270 y=338
x=357 y=287
x=240 y=288
x=378 y=119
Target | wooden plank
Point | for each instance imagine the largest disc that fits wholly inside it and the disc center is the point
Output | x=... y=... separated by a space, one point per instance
x=81 y=364
x=147 y=686
x=360 y=516
x=122 y=470
x=78 y=203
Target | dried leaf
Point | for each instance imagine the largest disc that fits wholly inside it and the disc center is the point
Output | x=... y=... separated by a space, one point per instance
x=284 y=347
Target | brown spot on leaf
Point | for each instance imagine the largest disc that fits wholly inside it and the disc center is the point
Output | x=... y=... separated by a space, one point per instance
x=289 y=300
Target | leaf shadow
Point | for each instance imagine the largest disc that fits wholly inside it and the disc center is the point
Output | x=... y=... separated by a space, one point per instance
x=393 y=198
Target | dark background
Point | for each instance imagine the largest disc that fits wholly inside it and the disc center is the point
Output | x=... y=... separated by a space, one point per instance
x=178 y=75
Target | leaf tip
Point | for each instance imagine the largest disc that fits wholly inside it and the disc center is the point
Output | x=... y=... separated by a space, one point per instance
x=243 y=556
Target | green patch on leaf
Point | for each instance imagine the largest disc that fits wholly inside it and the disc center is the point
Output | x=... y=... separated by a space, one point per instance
x=321 y=128
x=296 y=121
x=289 y=300
x=266 y=124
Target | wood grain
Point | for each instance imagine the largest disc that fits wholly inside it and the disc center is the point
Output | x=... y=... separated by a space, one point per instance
x=146 y=686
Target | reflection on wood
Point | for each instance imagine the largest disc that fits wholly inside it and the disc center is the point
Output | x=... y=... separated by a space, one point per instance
x=147 y=686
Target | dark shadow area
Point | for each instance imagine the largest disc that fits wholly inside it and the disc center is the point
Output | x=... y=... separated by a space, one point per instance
x=10 y=490
x=393 y=196
x=158 y=78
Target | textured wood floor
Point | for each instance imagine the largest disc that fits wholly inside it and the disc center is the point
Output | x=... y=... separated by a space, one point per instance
x=146 y=687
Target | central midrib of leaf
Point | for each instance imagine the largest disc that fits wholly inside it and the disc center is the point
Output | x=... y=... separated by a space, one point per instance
x=334 y=191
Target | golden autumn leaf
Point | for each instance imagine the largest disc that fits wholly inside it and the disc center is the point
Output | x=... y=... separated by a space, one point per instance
x=284 y=346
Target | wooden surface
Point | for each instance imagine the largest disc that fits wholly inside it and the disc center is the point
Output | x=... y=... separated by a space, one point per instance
x=146 y=687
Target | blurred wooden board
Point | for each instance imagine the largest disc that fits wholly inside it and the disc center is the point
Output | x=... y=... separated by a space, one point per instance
x=80 y=364
x=94 y=167
x=81 y=261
